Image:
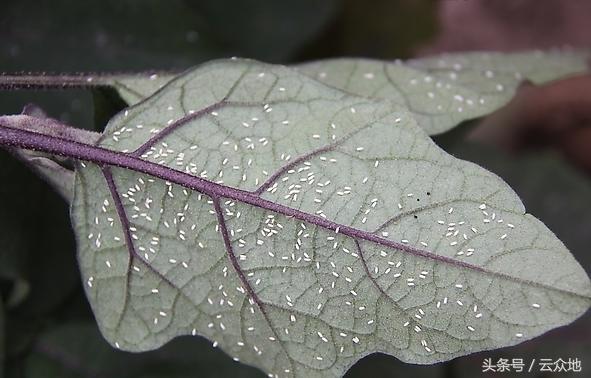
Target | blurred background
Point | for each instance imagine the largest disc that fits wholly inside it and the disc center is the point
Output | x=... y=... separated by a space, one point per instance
x=46 y=326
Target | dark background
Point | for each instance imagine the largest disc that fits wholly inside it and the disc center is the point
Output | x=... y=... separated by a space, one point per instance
x=46 y=326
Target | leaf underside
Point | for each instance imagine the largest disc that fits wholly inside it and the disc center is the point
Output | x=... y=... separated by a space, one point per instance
x=445 y=90
x=338 y=229
x=440 y=91
x=136 y=88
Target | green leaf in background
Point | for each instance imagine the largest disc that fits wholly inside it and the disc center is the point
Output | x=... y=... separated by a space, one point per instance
x=507 y=68
x=310 y=228
x=440 y=91
x=135 y=88
x=77 y=350
x=444 y=90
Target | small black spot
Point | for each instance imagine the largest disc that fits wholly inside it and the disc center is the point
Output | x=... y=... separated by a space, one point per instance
x=418 y=200
x=428 y=193
x=415 y=216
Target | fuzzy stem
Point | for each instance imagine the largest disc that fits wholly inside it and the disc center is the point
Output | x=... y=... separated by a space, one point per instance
x=49 y=126
x=65 y=81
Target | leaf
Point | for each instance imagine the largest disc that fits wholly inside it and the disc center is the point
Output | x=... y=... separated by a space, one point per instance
x=440 y=91
x=444 y=90
x=536 y=66
x=301 y=228
x=135 y=88
x=564 y=207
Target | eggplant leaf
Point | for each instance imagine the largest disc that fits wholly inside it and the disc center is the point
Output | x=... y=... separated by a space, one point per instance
x=441 y=91
x=308 y=228
x=135 y=88
x=300 y=228
x=444 y=90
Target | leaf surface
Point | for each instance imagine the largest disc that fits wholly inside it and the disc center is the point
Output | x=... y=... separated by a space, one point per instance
x=300 y=228
x=135 y=88
x=442 y=91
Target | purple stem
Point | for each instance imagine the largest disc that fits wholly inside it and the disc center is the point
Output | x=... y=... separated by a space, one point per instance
x=99 y=155
x=64 y=81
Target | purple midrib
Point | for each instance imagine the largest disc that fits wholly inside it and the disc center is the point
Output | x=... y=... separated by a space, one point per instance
x=54 y=145
x=241 y=276
x=181 y=122
x=125 y=225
